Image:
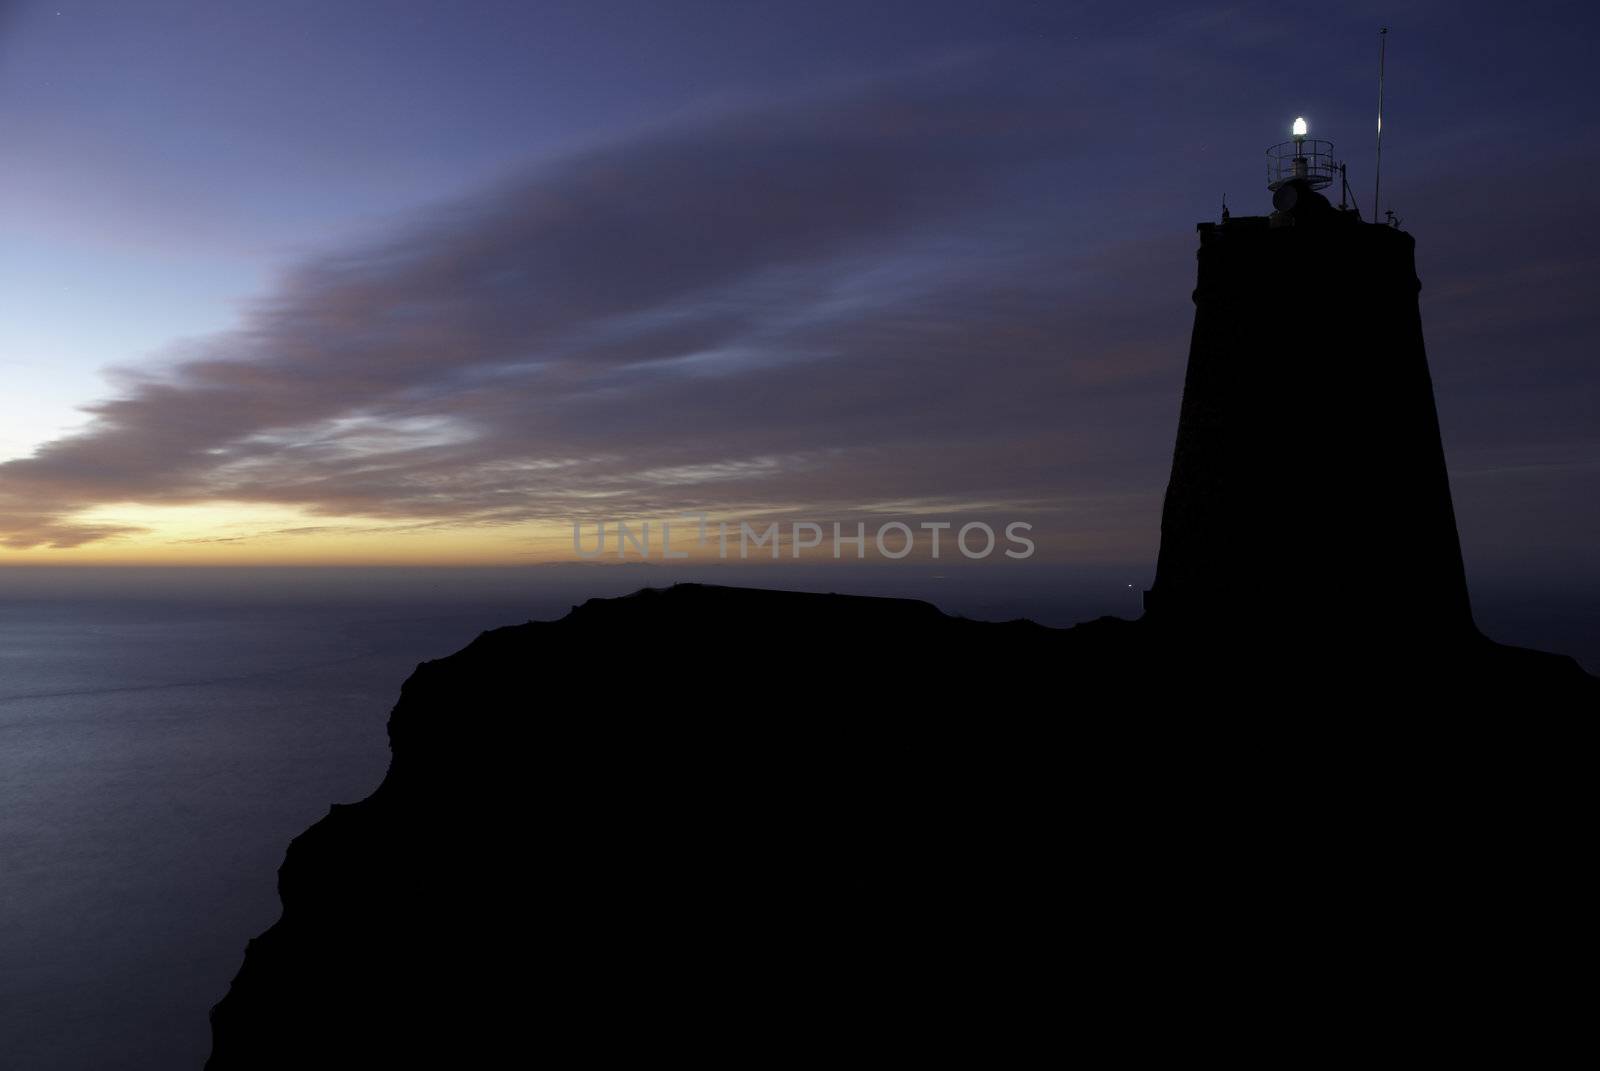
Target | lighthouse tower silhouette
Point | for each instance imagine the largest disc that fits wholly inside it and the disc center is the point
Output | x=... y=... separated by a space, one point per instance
x=1308 y=489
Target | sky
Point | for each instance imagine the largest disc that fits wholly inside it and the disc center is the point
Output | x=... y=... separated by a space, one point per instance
x=427 y=283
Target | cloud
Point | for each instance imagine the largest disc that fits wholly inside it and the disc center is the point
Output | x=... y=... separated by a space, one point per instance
x=821 y=301
x=24 y=530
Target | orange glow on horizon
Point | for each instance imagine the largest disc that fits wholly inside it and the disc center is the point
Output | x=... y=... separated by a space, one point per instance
x=264 y=534
x=248 y=534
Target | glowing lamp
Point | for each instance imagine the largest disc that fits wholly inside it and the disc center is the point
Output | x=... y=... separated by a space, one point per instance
x=1299 y=129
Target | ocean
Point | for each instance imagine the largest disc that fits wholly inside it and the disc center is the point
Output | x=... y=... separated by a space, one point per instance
x=163 y=739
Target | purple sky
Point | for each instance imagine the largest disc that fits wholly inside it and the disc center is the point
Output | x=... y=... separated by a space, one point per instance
x=489 y=264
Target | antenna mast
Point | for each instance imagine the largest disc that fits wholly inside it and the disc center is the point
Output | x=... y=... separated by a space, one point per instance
x=1377 y=170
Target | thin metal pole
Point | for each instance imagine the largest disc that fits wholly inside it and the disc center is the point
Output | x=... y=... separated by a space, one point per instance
x=1377 y=170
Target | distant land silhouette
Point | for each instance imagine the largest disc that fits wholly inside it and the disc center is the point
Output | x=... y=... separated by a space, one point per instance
x=741 y=826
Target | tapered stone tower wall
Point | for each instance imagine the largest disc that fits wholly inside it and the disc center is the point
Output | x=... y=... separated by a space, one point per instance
x=1308 y=481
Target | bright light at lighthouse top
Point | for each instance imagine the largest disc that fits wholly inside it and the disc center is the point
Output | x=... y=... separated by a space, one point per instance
x=1301 y=159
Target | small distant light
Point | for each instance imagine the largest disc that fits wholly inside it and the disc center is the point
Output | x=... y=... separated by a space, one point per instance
x=1299 y=128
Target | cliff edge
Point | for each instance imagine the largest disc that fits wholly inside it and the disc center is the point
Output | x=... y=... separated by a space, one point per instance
x=737 y=826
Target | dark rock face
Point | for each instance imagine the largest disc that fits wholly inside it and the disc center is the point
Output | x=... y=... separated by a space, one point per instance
x=738 y=826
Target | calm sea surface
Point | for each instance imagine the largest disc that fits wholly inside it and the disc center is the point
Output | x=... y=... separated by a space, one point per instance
x=158 y=753
x=154 y=763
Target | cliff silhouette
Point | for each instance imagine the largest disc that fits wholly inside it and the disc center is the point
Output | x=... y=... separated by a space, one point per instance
x=741 y=824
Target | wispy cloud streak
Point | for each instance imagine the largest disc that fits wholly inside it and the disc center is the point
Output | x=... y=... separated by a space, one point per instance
x=824 y=300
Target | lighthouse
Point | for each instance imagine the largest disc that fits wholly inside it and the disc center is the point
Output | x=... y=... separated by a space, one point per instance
x=1308 y=491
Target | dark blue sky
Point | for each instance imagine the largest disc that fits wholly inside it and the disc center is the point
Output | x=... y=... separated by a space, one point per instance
x=470 y=267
